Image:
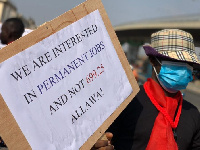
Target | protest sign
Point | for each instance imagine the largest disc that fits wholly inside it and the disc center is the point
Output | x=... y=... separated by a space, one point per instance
x=63 y=84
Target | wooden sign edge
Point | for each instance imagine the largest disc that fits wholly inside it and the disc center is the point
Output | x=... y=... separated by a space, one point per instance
x=45 y=30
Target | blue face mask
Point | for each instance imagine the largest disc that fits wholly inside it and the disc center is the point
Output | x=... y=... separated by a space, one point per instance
x=174 y=76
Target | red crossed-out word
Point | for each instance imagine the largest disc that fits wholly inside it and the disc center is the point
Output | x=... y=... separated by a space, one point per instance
x=95 y=73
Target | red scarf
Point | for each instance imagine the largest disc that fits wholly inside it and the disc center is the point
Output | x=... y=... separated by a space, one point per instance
x=162 y=137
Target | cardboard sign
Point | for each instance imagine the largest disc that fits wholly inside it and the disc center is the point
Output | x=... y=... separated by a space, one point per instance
x=63 y=84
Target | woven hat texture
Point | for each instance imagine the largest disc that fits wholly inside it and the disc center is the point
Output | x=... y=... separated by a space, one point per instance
x=172 y=44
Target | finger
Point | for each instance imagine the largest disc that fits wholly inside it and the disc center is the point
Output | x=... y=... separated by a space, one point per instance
x=109 y=135
x=110 y=147
x=101 y=143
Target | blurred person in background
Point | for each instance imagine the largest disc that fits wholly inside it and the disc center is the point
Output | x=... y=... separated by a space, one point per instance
x=11 y=30
x=134 y=70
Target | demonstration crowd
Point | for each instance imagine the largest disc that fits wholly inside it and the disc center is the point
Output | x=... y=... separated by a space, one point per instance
x=158 y=118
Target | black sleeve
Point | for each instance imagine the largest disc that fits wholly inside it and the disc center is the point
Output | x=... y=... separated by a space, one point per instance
x=116 y=125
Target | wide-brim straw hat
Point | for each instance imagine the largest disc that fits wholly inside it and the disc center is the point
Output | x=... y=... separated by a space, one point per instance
x=173 y=44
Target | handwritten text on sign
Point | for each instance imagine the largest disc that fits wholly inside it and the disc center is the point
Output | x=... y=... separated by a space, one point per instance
x=63 y=88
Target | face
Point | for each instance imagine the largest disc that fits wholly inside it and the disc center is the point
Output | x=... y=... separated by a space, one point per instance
x=172 y=76
x=157 y=65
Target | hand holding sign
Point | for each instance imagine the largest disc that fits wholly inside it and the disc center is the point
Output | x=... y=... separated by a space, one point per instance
x=104 y=143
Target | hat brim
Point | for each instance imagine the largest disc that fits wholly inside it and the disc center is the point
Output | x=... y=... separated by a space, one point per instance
x=150 y=51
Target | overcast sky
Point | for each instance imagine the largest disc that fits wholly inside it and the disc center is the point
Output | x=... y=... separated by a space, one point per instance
x=119 y=11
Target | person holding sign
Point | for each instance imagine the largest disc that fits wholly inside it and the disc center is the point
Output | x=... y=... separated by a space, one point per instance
x=11 y=30
x=158 y=118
